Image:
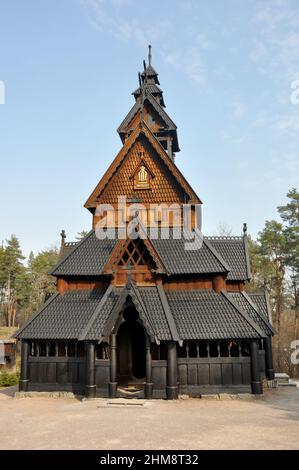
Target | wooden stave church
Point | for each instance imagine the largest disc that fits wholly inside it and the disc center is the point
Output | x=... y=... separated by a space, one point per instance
x=147 y=318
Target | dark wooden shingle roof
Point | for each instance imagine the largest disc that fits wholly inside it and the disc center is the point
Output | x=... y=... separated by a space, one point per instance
x=203 y=314
x=88 y=257
x=235 y=251
x=174 y=315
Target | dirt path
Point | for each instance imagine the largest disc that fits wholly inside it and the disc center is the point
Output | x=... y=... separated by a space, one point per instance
x=49 y=423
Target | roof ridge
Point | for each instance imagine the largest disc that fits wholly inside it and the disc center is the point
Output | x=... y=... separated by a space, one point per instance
x=115 y=311
x=225 y=238
x=216 y=254
x=169 y=163
x=169 y=316
x=251 y=322
x=163 y=114
x=249 y=300
x=134 y=110
x=83 y=333
x=140 y=301
x=52 y=271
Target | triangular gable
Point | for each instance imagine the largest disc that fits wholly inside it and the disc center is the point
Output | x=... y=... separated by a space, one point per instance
x=114 y=314
x=161 y=112
x=143 y=130
x=135 y=252
x=155 y=106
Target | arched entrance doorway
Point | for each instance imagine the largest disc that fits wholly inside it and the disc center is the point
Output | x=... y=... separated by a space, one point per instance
x=130 y=349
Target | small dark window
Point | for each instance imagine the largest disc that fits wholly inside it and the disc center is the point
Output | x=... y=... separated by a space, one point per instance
x=234 y=348
x=71 y=349
x=192 y=349
x=213 y=349
x=245 y=348
x=102 y=351
x=224 y=349
x=203 y=351
x=52 y=349
x=182 y=351
x=155 y=350
x=42 y=348
x=81 y=349
x=163 y=351
x=61 y=349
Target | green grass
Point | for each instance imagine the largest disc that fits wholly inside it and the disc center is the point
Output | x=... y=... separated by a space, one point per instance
x=7 y=379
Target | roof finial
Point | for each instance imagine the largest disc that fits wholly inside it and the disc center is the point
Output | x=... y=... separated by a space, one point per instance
x=244 y=229
x=149 y=55
x=63 y=237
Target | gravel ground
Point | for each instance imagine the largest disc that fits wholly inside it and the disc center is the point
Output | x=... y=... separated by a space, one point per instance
x=68 y=423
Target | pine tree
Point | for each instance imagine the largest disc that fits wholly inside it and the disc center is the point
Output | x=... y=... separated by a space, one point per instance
x=290 y=216
x=12 y=273
x=41 y=283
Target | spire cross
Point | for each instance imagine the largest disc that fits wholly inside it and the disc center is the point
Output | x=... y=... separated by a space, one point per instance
x=149 y=54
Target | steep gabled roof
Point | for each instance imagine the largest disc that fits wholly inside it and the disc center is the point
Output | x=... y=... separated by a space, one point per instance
x=247 y=304
x=148 y=304
x=143 y=130
x=150 y=88
x=149 y=98
x=202 y=259
x=203 y=314
x=174 y=315
x=131 y=114
x=162 y=113
x=63 y=316
x=87 y=258
x=261 y=300
x=94 y=257
x=151 y=72
x=235 y=251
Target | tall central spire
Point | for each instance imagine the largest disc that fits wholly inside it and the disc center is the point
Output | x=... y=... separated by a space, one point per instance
x=150 y=108
x=149 y=55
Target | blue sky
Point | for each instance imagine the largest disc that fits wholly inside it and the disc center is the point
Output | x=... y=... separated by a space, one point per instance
x=69 y=67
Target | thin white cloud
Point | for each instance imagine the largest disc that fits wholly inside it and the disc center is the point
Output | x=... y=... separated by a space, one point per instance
x=190 y=61
x=233 y=136
x=287 y=123
x=260 y=120
x=115 y=17
x=239 y=110
x=276 y=38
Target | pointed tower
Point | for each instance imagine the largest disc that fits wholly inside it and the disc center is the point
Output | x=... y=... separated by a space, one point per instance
x=144 y=170
x=150 y=104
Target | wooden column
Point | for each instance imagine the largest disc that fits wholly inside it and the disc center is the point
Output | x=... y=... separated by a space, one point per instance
x=269 y=358
x=90 y=386
x=172 y=374
x=113 y=367
x=218 y=283
x=148 y=391
x=256 y=384
x=24 y=376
